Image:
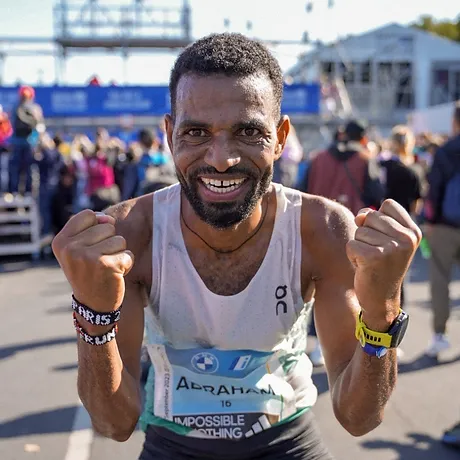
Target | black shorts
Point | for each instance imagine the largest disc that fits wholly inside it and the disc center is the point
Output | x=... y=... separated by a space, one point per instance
x=299 y=440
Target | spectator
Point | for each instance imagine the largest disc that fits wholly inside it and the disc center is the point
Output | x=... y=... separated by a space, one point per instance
x=286 y=168
x=27 y=125
x=346 y=173
x=49 y=163
x=6 y=130
x=153 y=161
x=402 y=177
x=79 y=151
x=442 y=212
x=101 y=187
x=63 y=200
x=130 y=175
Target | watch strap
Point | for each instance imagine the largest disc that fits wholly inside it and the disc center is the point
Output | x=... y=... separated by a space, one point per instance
x=377 y=339
x=372 y=350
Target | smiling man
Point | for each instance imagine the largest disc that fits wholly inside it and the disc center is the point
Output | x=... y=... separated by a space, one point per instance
x=225 y=265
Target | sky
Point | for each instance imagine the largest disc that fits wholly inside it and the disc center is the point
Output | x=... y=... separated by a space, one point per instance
x=271 y=20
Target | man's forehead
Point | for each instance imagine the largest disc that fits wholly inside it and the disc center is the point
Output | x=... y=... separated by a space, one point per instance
x=195 y=92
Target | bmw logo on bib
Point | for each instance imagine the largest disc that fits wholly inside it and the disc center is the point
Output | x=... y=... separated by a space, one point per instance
x=205 y=363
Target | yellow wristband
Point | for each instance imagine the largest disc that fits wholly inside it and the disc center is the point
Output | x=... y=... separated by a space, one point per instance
x=365 y=335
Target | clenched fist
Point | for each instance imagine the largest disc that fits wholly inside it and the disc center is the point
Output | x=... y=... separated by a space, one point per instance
x=384 y=245
x=94 y=259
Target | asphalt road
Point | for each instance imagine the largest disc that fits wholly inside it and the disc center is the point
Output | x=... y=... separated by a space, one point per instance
x=41 y=418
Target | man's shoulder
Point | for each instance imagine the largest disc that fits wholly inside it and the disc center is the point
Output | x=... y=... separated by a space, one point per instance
x=325 y=219
x=134 y=218
x=134 y=223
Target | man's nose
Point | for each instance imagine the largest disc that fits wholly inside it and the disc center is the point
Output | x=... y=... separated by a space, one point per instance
x=222 y=154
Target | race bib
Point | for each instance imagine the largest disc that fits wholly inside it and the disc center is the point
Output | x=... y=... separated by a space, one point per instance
x=221 y=394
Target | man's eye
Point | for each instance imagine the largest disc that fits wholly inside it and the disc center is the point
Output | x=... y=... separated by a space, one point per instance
x=249 y=132
x=196 y=132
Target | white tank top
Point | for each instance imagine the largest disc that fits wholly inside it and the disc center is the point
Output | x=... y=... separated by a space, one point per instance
x=226 y=366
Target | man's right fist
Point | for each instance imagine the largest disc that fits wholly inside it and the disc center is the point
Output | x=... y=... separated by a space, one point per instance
x=94 y=259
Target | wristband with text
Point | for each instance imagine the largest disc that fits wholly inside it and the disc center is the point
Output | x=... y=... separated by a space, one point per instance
x=94 y=317
x=94 y=339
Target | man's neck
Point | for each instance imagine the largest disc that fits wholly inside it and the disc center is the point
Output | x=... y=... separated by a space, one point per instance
x=224 y=239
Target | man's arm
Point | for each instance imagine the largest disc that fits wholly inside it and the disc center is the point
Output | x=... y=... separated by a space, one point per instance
x=108 y=375
x=360 y=384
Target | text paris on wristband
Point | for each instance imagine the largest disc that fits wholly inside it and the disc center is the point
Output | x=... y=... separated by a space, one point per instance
x=94 y=317
x=94 y=339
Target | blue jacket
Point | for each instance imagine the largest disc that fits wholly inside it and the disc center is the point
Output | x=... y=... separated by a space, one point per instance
x=446 y=163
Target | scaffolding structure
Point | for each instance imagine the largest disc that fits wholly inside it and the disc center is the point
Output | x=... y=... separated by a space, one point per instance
x=93 y=26
x=82 y=26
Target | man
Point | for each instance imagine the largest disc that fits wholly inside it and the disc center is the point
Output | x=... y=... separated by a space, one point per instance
x=228 y=263
x=442 y=212
x=27 y=126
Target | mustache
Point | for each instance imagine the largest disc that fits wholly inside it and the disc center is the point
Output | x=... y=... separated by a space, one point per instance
x=234 y=170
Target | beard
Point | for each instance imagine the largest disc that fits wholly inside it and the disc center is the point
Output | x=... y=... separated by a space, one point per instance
x=224 y=215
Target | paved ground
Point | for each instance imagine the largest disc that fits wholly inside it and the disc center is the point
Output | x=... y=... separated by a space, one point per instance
x=40 y=417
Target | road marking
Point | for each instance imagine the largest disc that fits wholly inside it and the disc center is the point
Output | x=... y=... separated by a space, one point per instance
x=81 y=437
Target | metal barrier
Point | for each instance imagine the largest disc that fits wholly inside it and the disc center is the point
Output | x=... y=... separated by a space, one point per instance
x=20 y=226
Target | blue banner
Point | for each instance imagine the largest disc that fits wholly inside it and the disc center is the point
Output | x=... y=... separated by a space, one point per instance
x=93 y=101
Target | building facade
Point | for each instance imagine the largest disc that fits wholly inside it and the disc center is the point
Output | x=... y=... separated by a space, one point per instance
x=384 y=74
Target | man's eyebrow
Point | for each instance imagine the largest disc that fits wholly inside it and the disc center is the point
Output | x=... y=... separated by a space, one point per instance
x=194 y=124
x=252 y=123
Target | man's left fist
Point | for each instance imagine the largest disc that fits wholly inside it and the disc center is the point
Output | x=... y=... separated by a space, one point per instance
x=383 y=247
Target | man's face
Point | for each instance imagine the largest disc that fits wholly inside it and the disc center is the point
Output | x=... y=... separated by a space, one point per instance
x=225 y=138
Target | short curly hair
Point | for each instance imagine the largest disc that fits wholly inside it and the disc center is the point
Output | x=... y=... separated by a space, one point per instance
x=230 y=54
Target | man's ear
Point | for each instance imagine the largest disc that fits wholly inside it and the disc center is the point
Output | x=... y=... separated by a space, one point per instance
x=282 y=132
x=169 y=128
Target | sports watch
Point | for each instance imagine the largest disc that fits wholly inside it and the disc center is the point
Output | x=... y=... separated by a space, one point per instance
x=377 y=343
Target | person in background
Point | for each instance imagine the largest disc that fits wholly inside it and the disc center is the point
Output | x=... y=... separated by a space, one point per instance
x=442 y=228
x=28 y=123
x=402 y=178
x=130 y=172
x=346 y=173
x=153 y=161
x=286 y=168
x=62 y=204
x=444 y=236
x=63 y=147
x=101 y=187
x=49 y=162
x=6 y=131
x=80 y=150
x=163 y=139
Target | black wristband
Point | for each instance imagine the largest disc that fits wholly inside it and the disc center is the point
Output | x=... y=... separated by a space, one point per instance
x=94 y=317
x=94 y=339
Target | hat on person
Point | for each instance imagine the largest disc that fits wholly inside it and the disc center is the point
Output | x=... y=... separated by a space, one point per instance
x=27 y=92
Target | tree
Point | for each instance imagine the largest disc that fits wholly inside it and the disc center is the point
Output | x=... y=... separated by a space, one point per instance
x=443 y=28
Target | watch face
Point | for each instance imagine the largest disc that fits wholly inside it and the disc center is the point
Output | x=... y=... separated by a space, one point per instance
x=399 y=328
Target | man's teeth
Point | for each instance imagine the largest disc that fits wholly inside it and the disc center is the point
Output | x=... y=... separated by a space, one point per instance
x=222 y=186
